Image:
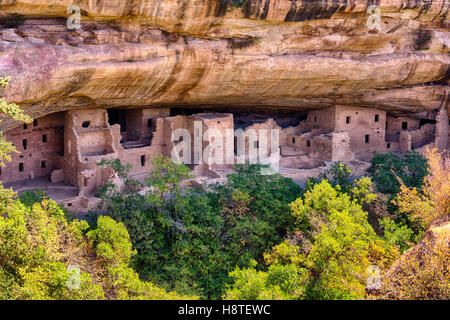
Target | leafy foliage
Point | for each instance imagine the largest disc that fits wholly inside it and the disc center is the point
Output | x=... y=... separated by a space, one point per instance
x=411 y=168
x=343 y=244
x=234 y=3
x=166 y=178
x=338 y=174
x=398 y=234
x=421 y=274
x=38 y=244
x=14 y=111
x=190 y=239
x=433 y=203
x=31 y=197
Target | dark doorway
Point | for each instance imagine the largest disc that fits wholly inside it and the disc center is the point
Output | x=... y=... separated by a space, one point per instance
x=117 y=116
x=426 y=121
x=404 y=125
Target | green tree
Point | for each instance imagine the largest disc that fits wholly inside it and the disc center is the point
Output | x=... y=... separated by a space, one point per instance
x=166 y=177
x=338 y=174
x=38 y=245
x=334 y=266
x=284 y=279
x=188 y=239
x=398 y=234
x=411 y=168
x=251 y=284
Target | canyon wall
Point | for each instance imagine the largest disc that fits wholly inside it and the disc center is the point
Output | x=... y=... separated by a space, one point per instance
x=271 y=54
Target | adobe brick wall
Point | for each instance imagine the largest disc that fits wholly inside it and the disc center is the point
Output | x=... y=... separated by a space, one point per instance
x=263 y=131
x=341 y=147
x=405 y=141
x=212 y=149
x=75 y=141
x=40 y=145
x=394 y=125
x=324 y=121
x=365 y=132
x=442 y=131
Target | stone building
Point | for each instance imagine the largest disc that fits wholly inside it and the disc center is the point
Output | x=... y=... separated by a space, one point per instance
x=41 y=147
x=60 y=152
x=340 y=133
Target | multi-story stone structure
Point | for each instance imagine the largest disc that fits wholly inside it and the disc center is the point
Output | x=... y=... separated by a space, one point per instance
x=60 y=152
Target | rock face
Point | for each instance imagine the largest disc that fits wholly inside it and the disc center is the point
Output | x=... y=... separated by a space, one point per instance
x=422 y=271
x=217 y=53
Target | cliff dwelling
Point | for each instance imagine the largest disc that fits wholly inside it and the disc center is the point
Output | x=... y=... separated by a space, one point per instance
x=124 y=82
x=59 y=152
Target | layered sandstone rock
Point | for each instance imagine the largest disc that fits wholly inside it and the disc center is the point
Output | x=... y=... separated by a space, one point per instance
x=422 y=271
x=265 y=53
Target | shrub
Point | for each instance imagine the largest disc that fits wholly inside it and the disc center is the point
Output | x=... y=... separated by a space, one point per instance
x=38 y=245
x=338 y=174
x=189 y=240
x=31 y=197
x=343 y=245
x=411 y=168
x=433 y=203
x=397 y=234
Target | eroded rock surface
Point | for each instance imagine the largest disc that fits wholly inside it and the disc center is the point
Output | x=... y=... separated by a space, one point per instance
x=422 y=271
x=263 y=53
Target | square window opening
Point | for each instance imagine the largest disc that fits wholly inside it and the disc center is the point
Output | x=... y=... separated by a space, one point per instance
x=404 y=125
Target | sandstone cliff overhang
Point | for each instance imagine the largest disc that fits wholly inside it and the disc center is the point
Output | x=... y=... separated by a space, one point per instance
x=271 y=54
